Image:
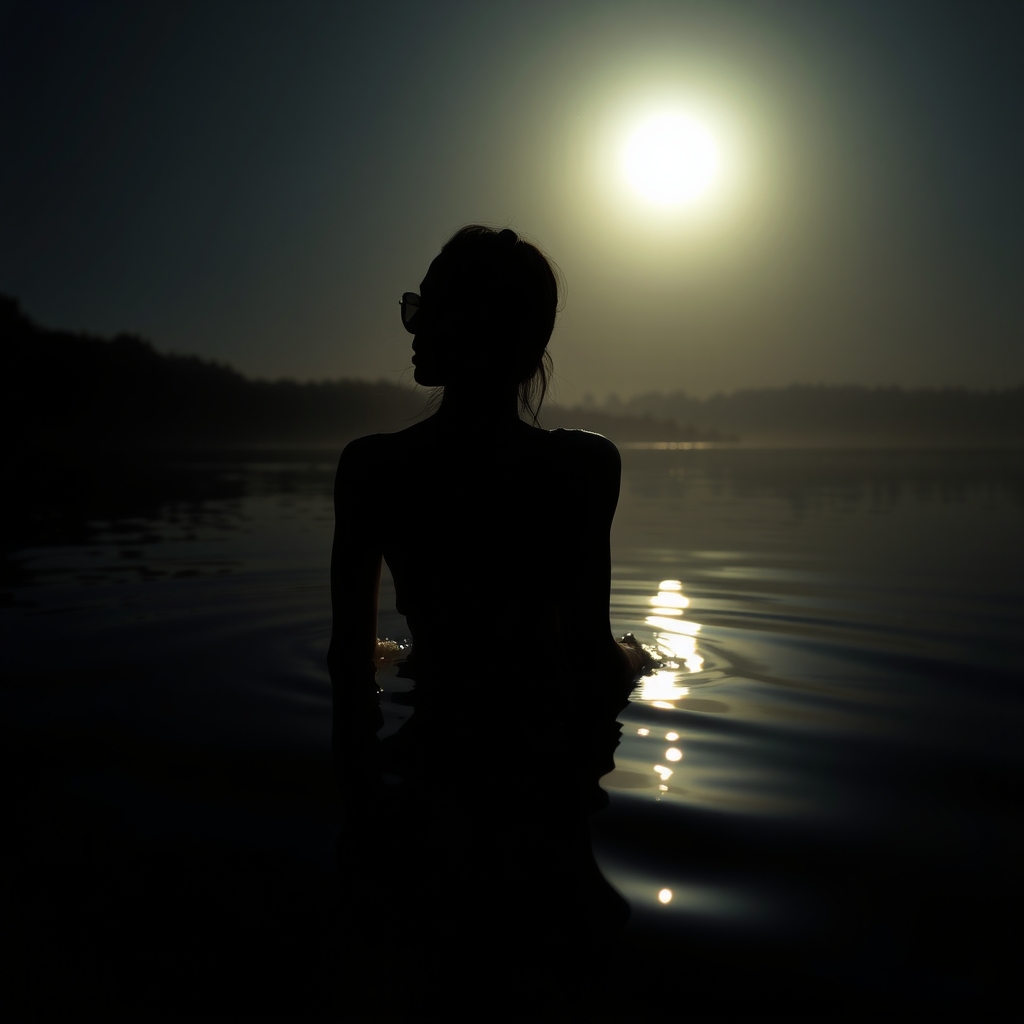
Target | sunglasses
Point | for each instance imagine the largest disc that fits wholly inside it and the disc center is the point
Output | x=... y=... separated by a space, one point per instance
x=410 y=303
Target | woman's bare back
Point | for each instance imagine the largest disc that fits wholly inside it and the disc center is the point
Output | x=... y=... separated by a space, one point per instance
x=498 y=535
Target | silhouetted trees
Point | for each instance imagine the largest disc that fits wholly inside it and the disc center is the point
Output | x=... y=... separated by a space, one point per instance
x=63 y=388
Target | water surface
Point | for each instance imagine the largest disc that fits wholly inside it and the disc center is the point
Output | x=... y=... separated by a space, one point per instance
x=826 y=763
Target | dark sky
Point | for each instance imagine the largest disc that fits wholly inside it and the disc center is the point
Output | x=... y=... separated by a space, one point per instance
x=259 y=182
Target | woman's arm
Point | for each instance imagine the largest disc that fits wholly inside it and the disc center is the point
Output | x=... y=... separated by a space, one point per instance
x=355 y=579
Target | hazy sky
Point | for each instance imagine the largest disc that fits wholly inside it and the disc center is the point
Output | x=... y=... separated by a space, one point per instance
x=259 y=182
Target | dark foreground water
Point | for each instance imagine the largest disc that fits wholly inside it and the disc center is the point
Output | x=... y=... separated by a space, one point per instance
x=815 y=807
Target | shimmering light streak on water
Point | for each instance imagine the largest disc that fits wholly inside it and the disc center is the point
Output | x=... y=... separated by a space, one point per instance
x=662 y=684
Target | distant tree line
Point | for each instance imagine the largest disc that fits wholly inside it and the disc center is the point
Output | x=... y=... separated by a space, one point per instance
x=66 y=389
x=62 y=387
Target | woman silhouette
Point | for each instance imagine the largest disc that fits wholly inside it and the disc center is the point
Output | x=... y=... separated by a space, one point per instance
x=498 y=542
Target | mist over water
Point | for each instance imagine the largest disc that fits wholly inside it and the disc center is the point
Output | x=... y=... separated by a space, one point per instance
x=826 y=763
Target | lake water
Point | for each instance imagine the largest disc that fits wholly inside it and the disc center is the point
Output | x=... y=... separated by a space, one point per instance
x=825 y=769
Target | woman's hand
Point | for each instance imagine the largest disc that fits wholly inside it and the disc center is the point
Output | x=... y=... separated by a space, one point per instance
x=641 y=661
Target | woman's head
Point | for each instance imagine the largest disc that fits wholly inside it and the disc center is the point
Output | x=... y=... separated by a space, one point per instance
x=488 y=308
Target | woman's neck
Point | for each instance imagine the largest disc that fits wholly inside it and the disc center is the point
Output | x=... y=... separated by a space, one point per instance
x=478 y=406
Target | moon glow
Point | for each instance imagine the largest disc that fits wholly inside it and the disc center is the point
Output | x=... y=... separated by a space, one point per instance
x=670 y=159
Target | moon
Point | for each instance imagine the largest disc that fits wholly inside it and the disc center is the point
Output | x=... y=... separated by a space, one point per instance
x=670 y=159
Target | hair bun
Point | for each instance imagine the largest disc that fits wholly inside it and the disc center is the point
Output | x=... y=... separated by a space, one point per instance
x=508 y=236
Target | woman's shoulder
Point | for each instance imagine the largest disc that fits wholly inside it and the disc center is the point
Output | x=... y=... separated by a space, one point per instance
x=585 y=444
x=361 y=448
x=582 y=447
x=362 y=453
x=372 y=445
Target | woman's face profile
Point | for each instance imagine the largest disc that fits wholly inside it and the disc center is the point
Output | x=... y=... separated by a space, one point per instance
x=442 y=343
